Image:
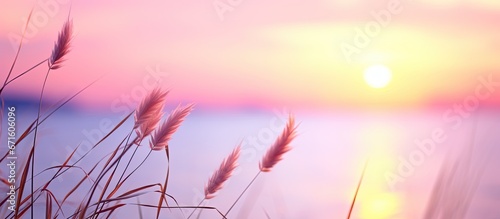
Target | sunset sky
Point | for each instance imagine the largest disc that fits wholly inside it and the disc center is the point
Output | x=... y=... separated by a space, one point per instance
x=260 y=53
x=364 y=79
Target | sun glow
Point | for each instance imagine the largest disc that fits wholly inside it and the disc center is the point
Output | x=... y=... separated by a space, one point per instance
x=380 y=206
x=378 y=76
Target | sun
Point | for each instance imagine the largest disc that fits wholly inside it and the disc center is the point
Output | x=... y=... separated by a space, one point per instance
x=378 y=76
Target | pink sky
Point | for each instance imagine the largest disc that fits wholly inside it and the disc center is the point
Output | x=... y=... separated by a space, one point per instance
x=262 y=53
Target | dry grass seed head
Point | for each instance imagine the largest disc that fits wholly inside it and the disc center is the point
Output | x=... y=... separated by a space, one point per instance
x=220 y=176
x=149 y=113
x=163 y=134
x=280 y=146
x=62 y=46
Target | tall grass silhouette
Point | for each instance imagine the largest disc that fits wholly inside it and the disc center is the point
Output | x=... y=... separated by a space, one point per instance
x=108 y=176
x=220 y=176
x=273 y=155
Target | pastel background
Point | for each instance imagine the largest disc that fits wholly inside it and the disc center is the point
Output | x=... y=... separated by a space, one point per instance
x=247 y=67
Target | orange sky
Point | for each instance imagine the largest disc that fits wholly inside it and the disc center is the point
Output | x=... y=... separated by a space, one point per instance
x=261 y=53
